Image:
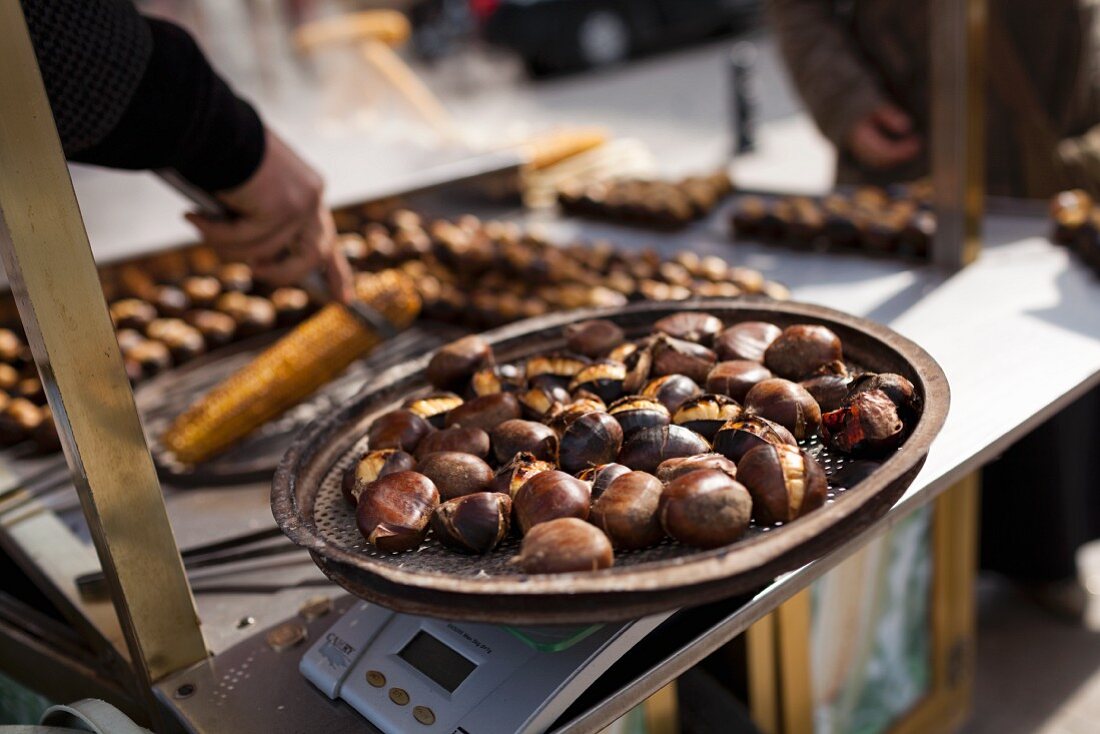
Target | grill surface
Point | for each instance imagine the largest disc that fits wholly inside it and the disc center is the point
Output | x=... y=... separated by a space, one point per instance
x=435 y=581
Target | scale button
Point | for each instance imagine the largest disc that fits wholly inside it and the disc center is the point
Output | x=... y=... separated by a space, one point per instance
x=375 y=678
x=424 y=715
x=399 y=696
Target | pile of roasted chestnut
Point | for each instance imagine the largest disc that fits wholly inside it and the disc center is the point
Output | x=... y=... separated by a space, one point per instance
x=690 y=432
x=648 y=202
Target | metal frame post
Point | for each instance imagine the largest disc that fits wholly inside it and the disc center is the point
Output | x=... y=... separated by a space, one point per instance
x=49 y=262
x=957 y=48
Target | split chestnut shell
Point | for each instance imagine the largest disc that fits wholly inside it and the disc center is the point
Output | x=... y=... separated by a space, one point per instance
x=785 y=483
x=474 y=523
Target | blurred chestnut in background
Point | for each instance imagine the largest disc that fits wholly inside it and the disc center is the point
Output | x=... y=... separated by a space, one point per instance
x=705 y=509
x=455 y=473
x=593 y=338
x=565 y=545
x=486 y=412
x=627 y=511
x=393 y=512
x=649 y=447
x=467 y=440
x=453 y=364
x=746 y=341
x=374 y=465
x=691 y=326
x=592 y=439
x=785 y=482
x=786 y=403
x=735 y=438
x=398 y=429
x=473 y=523
x=672 y=391
x=516 y=435
x=548 y=496
x=498 y=378
x=736 y=378
x=673 y=468
x=801 y=349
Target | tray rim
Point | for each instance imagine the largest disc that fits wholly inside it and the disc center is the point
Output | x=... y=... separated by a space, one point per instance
x=705 y=568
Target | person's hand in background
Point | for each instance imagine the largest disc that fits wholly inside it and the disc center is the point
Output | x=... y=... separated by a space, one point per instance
x=884 y=138
x=283 y=229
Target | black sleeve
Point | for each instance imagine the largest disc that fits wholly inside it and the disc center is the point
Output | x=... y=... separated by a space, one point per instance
x=134 y=92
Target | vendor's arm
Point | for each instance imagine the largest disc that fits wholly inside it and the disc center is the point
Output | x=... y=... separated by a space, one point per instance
x=841 y=93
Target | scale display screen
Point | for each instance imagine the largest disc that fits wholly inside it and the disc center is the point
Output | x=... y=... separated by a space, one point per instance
x=437 y=661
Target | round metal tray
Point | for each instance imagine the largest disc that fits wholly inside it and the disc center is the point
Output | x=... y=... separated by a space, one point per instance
x=436 y=582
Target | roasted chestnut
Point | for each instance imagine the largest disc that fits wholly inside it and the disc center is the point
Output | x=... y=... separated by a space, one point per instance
x=18 y=420
x=590 y=440
x=151 y=356
x=255 y=316
x=467 y=440
x=562 y=416
x=217 y=329
x=433 y=408
x=593 y=338
x=558 y=368
x=538 y=402
x=736 y=378
x=600 y=477
x=705 y=508
x=801 y=349
x=235 y=277
x=393 y=511
x=398 y=429
x=453 y=364
x=455 y=473
x=374 y=465
x=510 y=477
x=498 y=378
x=785 y=482
x=473 y=523
x=786 y=403
x=129 y=313
x=867 y=424
x=672 y=391
x=170 y=301
x=737 y=437
x=604 y=379
x=746 y=341
x=566 y=545
x=673 y=468
x=649 y=447
x=627 y=511
x=291 y=305
x=900 y=391
x=9 y=376
x=827 y=390
x=486 y=412
x=706 y=414
x=549 y=495
x=679 y=357
x=691 y=326
x=203 y=290
x=513 y=436
x=635 y=412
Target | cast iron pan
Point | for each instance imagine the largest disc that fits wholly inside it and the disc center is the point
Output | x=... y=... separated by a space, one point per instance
x=436 y=582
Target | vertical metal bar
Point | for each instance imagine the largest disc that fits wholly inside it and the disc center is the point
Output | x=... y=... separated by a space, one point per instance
x=48 y=259
x=958 y=128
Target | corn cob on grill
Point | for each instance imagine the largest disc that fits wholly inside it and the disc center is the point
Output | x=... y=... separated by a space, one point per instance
x=290 y=370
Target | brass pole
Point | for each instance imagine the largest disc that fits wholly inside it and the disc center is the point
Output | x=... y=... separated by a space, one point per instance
x=48 y=259
x=957 y=47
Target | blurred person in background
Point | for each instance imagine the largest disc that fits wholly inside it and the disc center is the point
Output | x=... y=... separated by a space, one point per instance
x=864 y=71
x=133 y=92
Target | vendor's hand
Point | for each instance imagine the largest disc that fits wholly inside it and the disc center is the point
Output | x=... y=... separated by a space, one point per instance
x=884 y=138
x=282 y=228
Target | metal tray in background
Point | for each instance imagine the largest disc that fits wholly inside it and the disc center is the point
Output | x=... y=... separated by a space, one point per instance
x=437 y=582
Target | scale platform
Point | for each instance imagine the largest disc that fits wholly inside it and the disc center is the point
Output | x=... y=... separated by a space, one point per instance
x=405 y=673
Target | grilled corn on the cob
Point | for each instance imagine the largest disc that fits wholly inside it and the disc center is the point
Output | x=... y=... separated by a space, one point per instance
x=290 y=370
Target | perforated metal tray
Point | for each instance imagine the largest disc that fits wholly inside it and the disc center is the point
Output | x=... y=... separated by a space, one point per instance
x=434 y=581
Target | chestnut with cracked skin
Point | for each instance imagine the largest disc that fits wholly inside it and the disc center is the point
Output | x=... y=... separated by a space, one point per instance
x=705 y=509
x=866 y=425
x=453 y=364
x=786 y=403
x=509 y=478
x=785 y=483
x=374 y=465
x=393 y=512
x=736 y=438
x=600 y=477
x=635 y=412
x=627 y=511
x=672 y=391
x=473 y=523
x=565 y=545
x=673 y=468
x=590 y=440
x=648 y=448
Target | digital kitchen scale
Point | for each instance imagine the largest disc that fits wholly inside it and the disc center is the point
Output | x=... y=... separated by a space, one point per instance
x=411 y=674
